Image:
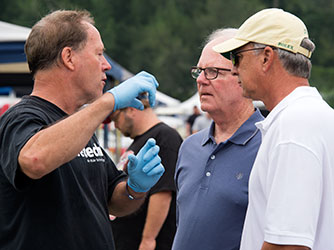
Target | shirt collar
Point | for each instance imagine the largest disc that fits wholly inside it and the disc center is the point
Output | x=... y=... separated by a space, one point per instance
x=244 y=133
x=296 y=94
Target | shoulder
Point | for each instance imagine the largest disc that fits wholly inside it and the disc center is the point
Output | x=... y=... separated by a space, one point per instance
x=308 y=123
x=23 y=110
x=196 y=140
x=166 y=133
x=35 y=107
x=306 y=114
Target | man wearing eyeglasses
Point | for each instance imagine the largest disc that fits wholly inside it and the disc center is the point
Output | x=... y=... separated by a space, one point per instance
x=214 y=164
x=291 y=194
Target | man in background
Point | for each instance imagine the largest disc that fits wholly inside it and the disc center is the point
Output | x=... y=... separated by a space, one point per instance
x=291 y=190
x=191 y=119
x=214 y=164
x=152 y=226
x=202 y=122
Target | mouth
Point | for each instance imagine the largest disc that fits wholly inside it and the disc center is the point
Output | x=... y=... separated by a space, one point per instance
x=239 y=82
x=104 y=78
x=205 y=94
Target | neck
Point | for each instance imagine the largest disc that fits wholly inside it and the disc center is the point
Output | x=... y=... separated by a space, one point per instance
x=228 y=122
x=277 y=83
x=280 y=89
x=145 y=120
x=53 y=88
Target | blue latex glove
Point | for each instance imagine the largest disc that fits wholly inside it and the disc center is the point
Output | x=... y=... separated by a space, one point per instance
x=145 y=169
x=125 y=93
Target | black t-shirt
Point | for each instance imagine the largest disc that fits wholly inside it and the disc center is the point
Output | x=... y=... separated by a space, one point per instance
x=128 y=230
x=191 y=119
x=67 y=208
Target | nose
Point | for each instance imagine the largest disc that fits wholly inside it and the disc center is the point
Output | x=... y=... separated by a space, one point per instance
x=234 y=70
x=201 y=79
x=105 y=64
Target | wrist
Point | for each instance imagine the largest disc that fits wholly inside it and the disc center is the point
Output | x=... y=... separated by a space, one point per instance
x=110 y=99
x=133 y=196
x=135 y=187
x=146 y=237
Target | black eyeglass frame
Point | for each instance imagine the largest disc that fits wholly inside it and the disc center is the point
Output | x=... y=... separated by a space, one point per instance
x=235 y=59
x=199 y=70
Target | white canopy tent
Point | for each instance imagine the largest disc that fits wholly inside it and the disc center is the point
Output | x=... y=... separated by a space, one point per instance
x=186 y=108
x=12 y=32
x=166 y=100
x=14 y=71
x=12 y=38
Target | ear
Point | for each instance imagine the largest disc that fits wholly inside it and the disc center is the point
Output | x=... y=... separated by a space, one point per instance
x=130 y=111
x=133 y=112
x=67 y=58
x=268 y=58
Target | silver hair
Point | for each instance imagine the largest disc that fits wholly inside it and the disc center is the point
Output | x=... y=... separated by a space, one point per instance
x=296 y=64
x=228 y=33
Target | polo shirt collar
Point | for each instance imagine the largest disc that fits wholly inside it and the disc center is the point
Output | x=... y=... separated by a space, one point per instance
x=299 y=92
x=245 y=133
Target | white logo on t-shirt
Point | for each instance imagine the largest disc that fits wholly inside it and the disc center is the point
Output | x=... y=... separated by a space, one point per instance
x=92 y=154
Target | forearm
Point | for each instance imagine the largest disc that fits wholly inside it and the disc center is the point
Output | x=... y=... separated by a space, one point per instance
x=53 y=146
x=120 y=204
x=158 y=208
x=268 y=246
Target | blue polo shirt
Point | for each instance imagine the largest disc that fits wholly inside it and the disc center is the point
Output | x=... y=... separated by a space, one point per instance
x=212 y=187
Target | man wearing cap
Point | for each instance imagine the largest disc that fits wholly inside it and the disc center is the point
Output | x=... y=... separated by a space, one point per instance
x=291 y=194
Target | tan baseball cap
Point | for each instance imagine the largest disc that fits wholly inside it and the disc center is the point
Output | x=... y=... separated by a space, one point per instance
x=273 y=27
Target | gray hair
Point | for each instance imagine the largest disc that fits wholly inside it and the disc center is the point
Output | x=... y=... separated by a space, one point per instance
x=225 y=32
x=296 y=64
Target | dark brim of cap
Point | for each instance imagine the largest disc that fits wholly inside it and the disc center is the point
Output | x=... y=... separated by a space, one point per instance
x=226 y=55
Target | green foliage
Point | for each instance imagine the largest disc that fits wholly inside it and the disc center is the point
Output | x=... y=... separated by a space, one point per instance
x=318 y=16
x=166 y=37
x=322 y=78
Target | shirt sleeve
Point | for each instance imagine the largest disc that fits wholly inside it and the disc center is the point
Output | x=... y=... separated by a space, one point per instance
x=294 y=195
x=169 y=148
x=16 y=130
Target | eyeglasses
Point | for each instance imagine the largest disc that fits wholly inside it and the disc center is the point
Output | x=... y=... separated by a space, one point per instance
x=210 y=73
x=235 y=58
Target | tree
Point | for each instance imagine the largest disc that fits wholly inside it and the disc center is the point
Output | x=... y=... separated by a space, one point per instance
x=166 y=37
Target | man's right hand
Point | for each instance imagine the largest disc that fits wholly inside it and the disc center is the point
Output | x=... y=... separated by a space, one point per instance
x=125 y=93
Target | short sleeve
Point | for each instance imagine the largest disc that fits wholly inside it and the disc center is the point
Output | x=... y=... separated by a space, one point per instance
x=294 y=196
x=16 y=129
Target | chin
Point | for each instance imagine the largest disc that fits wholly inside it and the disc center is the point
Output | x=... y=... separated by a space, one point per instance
x=205 y=107
x=246 y=94
x=93 y=98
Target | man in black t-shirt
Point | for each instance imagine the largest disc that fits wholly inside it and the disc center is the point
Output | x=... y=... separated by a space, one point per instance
x=191 y=119
x=152 y=226
x=57 y=185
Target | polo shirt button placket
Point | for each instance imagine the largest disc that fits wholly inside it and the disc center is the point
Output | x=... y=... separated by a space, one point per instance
x=208 y=173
